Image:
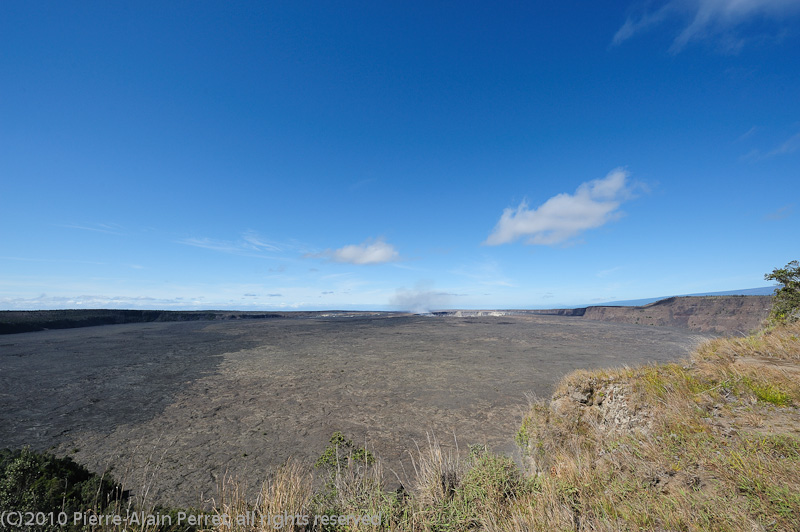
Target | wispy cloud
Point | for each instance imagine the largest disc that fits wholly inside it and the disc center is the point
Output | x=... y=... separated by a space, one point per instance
x=780 y=214
x=110 y=229
x=704 y=19
x=94 y=301
x=566 y=215
x=368 y=252
x=791 y=145
x=609 y=271
x=256 y=242
x=214 y=245
x=747 y=134
x=485 y=273
x=250 y=244
x=29 y=259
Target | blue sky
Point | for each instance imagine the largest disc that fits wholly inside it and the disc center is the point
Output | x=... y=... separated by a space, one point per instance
x=389 y=155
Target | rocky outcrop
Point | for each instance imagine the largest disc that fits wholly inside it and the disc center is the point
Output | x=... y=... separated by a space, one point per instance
x=604 y=403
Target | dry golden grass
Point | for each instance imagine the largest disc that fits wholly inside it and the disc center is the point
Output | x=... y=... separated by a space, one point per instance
x=358 y=489
x=713 y=444
x=281 y=503
x=776 y=343
x=437 y=473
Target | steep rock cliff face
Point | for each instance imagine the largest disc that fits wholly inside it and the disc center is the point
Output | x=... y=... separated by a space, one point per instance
x=559 y=312
x=714 y=314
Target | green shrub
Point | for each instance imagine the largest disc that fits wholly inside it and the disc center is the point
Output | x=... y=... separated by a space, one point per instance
x=340 y=451
x=40 y=482
x=492 y=480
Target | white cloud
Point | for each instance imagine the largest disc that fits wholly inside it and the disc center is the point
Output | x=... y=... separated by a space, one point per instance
x=565 y=215
x=707 y=19
x=368 y=252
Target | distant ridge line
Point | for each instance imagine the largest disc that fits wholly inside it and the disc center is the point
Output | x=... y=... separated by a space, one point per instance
x=718 y=314
x=21 y=321
x=715 y=313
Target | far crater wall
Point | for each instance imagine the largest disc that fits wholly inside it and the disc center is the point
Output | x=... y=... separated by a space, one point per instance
x=712 y=314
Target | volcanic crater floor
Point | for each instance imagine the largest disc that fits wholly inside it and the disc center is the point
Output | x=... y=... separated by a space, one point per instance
x=176 y=407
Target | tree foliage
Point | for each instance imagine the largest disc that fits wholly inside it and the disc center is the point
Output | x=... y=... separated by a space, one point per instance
x=786 y=301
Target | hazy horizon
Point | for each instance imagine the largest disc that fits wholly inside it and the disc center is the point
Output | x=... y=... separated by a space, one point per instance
x=422 y=305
